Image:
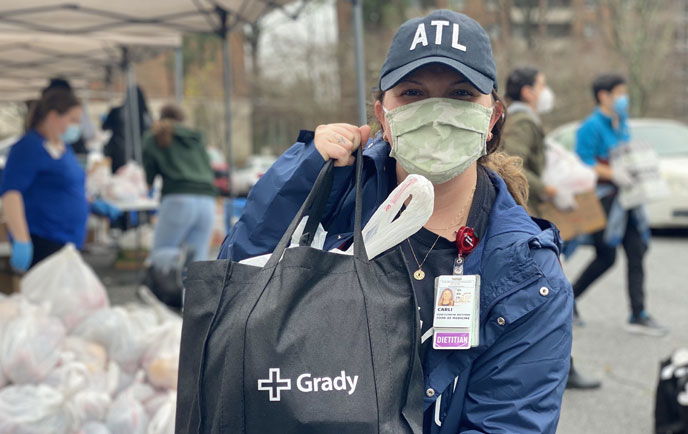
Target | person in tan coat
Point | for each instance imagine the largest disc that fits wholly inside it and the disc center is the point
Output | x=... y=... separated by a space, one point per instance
x=528 y=95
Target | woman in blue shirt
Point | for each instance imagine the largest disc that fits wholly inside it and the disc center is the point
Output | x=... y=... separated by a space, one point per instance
x=43 y=187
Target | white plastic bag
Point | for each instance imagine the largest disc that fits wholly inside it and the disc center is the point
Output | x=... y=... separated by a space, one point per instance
x=67 y=284
x=127 y=416
x=128 y=184
x=73 y=379
x=93 y=428
x=161 y=359
x=565 y=171
x=318 y=243
x=93 y=355
x=30 y=409
x=112 y=328
x=31 y=345
x=382 y=231
x=163 y=421
x=9 y=309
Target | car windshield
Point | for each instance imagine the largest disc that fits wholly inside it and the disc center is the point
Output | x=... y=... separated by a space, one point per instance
x=668 y=140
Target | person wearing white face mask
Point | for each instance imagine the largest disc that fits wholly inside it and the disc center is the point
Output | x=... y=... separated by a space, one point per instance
x=527 y=90
x=440 y=117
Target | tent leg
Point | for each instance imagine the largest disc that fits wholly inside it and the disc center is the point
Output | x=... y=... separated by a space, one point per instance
x=134 y=114
x=226 y=56
x=179 y=74
x=360 y=61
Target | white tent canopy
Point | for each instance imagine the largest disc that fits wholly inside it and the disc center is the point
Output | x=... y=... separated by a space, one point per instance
x=133 y=17
x=140 y=19
x=28 y=59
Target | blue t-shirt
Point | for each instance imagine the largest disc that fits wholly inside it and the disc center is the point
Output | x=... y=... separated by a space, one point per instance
x=54 y=190
x=597 y=136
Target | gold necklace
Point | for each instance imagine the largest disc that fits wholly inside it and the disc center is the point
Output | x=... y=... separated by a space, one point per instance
x=419 y=274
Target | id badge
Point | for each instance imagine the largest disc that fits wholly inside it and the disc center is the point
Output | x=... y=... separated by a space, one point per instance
x=456 y=312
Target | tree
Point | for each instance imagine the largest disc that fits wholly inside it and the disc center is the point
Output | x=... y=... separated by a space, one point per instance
x=642 y=31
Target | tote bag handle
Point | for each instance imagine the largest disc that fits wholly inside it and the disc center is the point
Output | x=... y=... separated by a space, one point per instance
x=316 y=201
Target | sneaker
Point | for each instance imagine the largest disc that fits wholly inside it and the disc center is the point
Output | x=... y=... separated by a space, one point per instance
x=645 y=324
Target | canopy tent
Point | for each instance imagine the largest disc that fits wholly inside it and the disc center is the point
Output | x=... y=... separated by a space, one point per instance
x=142 y=19
x=28 y=59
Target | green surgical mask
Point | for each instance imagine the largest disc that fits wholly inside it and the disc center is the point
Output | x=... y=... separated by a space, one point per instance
x=438 y=138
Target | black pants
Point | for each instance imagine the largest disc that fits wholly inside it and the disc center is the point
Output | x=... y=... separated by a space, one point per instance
x=635 y=249
x=42 y=248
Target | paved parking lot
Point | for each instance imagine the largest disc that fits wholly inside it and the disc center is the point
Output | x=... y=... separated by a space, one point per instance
x=627 y=364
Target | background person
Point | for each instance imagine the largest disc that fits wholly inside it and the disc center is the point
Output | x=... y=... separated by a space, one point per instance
x=605 y=129
x=116 y=147
x=441 y=118
x=43 y=186
x=187 y=210
x=524 y=137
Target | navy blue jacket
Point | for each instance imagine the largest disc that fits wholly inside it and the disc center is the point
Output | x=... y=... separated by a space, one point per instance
x=514 y=381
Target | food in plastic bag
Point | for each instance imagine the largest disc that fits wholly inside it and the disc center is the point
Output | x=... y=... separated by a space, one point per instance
x=91 y=354
x=113 y=329
x=565 y=171
x=69 y=286
x=93 y=428
x=91 y=405
x=30 y=409
x=163 y=421
x=161 y=359
x=128 y=184
x=31 y=346
x=127 y=416
x=9 y=309
x=73 y=379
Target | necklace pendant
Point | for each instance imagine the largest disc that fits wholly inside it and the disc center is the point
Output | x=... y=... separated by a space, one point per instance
x=419 y=274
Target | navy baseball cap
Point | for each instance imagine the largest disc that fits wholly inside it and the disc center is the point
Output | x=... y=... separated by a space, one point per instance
x=446 y=37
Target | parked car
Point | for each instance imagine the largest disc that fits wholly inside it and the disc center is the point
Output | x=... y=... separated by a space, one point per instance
x=245 y=178
x=670 y=141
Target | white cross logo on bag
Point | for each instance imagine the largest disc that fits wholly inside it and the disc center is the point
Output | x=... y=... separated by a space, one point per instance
x=274 y=384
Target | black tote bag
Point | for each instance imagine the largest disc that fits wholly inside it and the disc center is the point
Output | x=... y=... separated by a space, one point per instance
x=316 y=342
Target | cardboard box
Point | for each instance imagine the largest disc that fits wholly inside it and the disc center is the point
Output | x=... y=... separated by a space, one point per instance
x=587 y=218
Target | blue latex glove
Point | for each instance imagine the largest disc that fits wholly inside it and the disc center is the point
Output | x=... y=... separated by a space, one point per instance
x=101 y=207
x=22 y=255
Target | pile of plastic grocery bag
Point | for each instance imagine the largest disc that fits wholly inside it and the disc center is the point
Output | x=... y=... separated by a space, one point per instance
x=72 y=364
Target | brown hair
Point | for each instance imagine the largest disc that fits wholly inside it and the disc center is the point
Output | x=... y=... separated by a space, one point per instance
x=163 y=130
x=58 y=99
x=509 y=168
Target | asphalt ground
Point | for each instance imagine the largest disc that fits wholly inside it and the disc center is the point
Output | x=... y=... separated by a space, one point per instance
x=627 y=364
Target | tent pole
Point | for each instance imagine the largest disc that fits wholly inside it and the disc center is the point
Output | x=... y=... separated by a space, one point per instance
x=134 y=113
x=360 y=62
x=227 y=63
x=128 y=133
x=179 y=74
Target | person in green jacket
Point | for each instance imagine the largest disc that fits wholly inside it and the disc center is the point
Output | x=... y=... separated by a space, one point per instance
x=529 y=96
x=187 y=210
x=523 y=136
